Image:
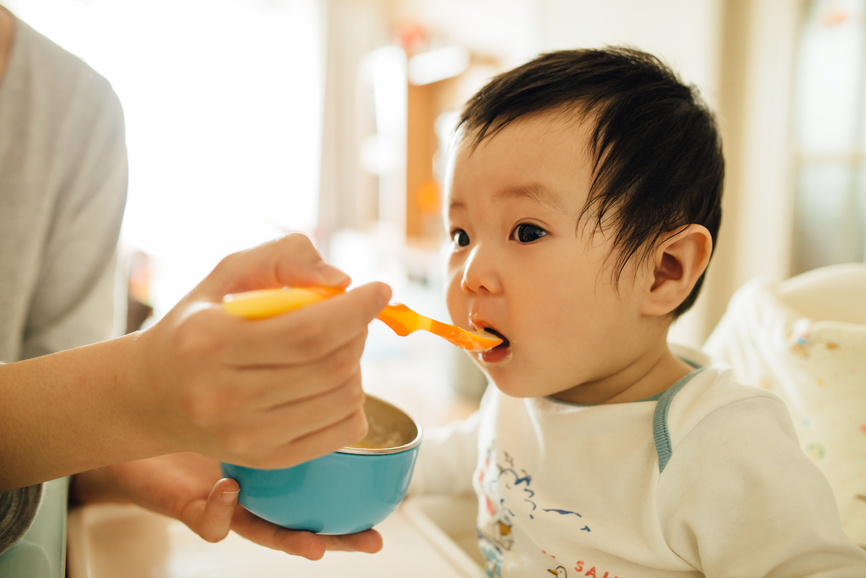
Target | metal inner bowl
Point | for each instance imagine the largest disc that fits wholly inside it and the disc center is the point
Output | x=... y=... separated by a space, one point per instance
x=390 y=430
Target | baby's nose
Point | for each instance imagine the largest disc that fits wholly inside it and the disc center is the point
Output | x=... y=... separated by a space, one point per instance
x=480 y=274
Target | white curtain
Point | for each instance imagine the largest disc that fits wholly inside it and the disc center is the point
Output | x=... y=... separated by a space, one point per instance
x=351 y=30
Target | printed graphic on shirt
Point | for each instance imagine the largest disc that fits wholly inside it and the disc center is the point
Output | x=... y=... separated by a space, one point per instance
x=509 y=503
x=492 y=555
x=580 y=568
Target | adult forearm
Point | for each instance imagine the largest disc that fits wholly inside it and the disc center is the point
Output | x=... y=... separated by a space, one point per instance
x=69 y=412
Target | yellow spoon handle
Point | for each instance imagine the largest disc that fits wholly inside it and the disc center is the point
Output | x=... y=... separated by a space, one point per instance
x=266 y=303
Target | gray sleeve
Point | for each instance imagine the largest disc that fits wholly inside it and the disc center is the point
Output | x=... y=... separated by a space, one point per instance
x=71 y=303
x=17 y=510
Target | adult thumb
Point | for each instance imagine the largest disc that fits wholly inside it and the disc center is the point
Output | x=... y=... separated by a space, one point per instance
x=215 y=520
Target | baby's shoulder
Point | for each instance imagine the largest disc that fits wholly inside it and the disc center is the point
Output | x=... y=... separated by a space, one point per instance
x=711 y=401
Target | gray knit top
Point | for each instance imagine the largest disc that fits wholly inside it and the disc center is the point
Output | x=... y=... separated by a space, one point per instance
x=63 y=177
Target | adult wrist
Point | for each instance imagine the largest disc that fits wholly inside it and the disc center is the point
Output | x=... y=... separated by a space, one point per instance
x=132 y=385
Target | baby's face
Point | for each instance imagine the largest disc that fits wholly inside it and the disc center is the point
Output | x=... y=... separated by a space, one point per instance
x=519 y=264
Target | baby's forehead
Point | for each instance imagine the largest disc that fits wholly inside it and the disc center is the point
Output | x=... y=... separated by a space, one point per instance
x=548 y=150
x=572 y=121
x=563 y=134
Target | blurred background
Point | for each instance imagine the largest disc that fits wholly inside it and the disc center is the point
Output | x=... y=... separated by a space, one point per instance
x=250 y=118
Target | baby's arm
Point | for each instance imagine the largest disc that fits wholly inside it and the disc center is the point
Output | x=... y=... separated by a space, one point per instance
x=447 y=459
x=739 y=498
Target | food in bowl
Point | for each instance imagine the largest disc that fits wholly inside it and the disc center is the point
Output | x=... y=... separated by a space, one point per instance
x=379 y=436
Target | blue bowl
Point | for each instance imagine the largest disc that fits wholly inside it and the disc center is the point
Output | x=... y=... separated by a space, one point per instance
x=347 y=491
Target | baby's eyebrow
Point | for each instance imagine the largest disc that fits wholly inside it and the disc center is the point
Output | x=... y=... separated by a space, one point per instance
x=454 y=204
x=534 y=192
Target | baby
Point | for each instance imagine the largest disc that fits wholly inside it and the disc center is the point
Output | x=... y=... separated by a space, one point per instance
x=583 y=203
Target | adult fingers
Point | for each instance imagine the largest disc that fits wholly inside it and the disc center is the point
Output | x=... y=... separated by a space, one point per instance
x=289 y=260
x=369 y=542
x=287 y=271
x=240 y=430
x=306 y=334
x=298 y=543
x=328 y=439
x=264 y=387
x=295 y=419
x=321 y=441
x=212 y=519
x=264 y=533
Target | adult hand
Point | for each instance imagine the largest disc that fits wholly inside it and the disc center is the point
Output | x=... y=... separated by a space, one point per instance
x=266 y=393
x=187 y=487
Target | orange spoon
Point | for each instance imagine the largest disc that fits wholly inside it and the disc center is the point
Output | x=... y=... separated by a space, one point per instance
x=272 y=302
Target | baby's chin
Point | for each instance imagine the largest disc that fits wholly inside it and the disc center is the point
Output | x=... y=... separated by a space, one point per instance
x=513 y=385
x=521 y=382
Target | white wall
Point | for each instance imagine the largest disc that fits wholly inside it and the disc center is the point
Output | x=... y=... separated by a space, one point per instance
x=506 y=29
x=684 y=33
x=764 y=214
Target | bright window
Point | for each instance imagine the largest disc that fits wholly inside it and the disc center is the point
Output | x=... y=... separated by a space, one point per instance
x=223 y=104
x=830 y=131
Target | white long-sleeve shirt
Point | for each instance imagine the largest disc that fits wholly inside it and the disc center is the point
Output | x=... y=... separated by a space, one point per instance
x=704 y=479
x=818 y=368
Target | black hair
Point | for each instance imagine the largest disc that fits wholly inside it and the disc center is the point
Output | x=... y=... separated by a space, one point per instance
x=656 y=150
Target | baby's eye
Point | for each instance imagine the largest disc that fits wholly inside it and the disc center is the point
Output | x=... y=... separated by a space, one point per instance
x=460 y=237
x=527 y=233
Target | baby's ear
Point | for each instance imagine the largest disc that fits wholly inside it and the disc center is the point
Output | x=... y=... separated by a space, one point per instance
x=677 y=264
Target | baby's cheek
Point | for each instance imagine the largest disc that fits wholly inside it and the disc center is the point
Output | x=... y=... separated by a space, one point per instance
x=454 y=296
x=549 y=366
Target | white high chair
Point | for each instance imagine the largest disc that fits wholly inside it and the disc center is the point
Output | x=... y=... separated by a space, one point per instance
x=834 y=293
x=805 y=340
